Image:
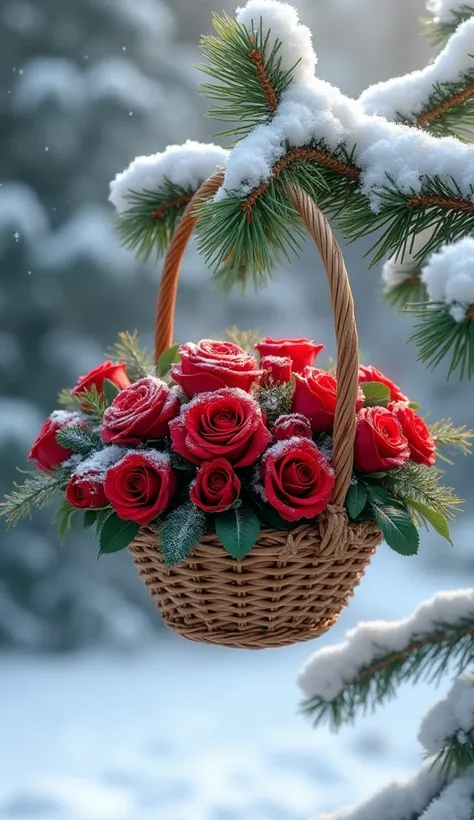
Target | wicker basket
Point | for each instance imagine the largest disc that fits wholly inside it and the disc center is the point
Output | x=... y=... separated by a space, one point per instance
x=292 y=586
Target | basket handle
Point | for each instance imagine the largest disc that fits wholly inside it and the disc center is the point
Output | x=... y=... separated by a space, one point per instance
x=342 y=304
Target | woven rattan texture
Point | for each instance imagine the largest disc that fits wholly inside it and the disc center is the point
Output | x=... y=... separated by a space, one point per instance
x=281 y=593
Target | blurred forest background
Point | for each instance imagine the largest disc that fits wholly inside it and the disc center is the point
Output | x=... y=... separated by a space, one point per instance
x=86 y=85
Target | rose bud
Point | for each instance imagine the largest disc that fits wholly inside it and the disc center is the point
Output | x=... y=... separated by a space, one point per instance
x=46 y=452
x=379 y=443
x=216 y=486
x=302 y=352
x=211 y=365
x=109 y=371
x=276 y=370
x=86 y=491
x=294 y=424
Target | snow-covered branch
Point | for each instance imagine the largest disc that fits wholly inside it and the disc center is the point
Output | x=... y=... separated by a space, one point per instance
x=365 y=670
x=443 y=10
x=447 y=730
x=449 y=277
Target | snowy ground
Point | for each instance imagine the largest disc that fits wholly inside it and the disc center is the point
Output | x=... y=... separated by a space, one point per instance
x=184 y=732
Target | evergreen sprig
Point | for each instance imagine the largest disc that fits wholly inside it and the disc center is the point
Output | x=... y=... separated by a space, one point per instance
x=94 y=404
x=150 y=220
x=410 y=292
x=456 y=755
x=246 y=339
x=80 y=440
x=423 y=485
x=248 y=74
x=440 y=31
x=68 y=401
x=38 y=490
x=449 y=110
x=127 y=349
x=448 y=437
x=438 y=336
x=426 y=657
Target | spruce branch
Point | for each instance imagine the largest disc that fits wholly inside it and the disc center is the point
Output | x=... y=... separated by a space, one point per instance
x=68 y=401
x=94 y=404
x=426 y=657
x=246 y=339
x=81 y=441
x=421 y=484
x=437 y=336
x=409 y=293
x=248 y=74
x=449 y=110
x=38 y=490
x=440 y=31
x=448 y=437
x=457 y=754
x=127 y=349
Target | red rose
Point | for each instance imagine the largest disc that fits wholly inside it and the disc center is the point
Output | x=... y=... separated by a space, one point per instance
x=216 y=486
x=298 y=481
x=115 y=373
x=315 y=397
x=421 y=443
x=227 y=423
x=379 y=442
x=140 y=486
x=290 y=426
x=211 y=365
x=302 y=352
x=46 y=452
x=86 y=491
x=276 y=370
x=371 y=374
x=141 y=411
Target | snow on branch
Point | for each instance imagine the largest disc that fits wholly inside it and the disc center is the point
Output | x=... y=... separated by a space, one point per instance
x=449 y=278
x=401 y=800
x=455 y=801
x=184 y=166
x=447 y=730
x=443 y=10
x=418 y=97
x=368 y=666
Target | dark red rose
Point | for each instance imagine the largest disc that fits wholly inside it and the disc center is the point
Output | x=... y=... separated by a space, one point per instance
x=379 y=443
x=114 y=373
x=227 y=423
x=140 y=486
x=302 y=352
x=276 y=370
x=297 y=480
x=140 y=412
x=216 y=486
x=86 y=491
x=421 y=443
x=210 y=365
x=371 y=374
x=315 y=397
x=290 y=426
x=46 y=452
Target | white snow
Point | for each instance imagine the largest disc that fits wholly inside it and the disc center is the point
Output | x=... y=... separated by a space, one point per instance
x=449 y=277
x=443 y=10
x=283 y=22
x=186 y=166
x=449 y=716
x=408 y=95
x=456 y=801
x=402 y=266
x=326 y=673
x=98 y=463
x=66 y=417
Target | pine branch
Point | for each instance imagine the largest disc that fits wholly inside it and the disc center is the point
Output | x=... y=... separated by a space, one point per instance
x=457 y=755
x=149 y=223
x=426 y=657
x=449 y=438
x=406 y=294
x=81 y=441
x=437 y=336
x=94 y=404
x=248 y=73
x=36 y=492
x=127 y=349
x=69 y=402
x=449 y=110
x=416 y=482
x=246 y=339
x=439 y=32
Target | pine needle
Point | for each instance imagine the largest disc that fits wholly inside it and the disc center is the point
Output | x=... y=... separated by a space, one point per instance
x=127 y=349
x=246 y=339
x=439 y=32
x=449 y=438
x=437 y=336
x=36 y=492
x=422 y=484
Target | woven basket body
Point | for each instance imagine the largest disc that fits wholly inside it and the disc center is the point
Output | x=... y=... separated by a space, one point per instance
x=290 y=587
x=281 y=593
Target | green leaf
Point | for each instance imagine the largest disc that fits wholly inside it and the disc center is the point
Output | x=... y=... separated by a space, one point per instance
x=63 y=519
x=116 y=534
x=398 y=529
x=376 y=394
x=438 y=521
x=269 y=517
x=90 y=517
x=380 y=495
x=356 y=499
x=167 y=359
x=180 y=533
x=238 y=530
x=414 y=406
x=110 y=390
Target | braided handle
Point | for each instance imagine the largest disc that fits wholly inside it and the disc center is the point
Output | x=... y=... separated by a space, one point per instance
x=343 y=308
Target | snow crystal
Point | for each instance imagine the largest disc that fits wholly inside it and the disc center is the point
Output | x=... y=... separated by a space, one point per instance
x=66 y=417
x=443 y=10
x=401 y=800
x=283 y=22
x=281 y=447
x=231 y=392
x=408 y=95
x=449 y=716
x=99 y=462
x=449 y=277
x=185 y=165
x=402 y=266
x=456 y=801
x=326 y=673
x=155 y=457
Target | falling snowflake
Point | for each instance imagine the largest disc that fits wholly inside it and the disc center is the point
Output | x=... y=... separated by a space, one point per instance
x=46 y=147
x=86 y=56
x=21 y=71
x=29 y=273
x=16 y=236
x=124 y=48
x=130 y=113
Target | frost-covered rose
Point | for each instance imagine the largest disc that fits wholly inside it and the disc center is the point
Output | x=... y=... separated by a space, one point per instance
x=140 y=412
x=46 y=452
x=216 y=486
x=379 y=442
x=276 y=370
x=140 y=486
x=294 y=424
x=421 y=443
x=86 y=491
x=210 y=365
